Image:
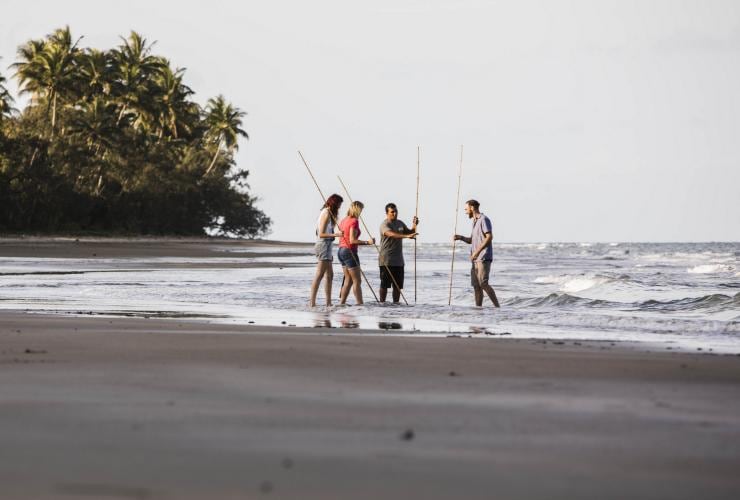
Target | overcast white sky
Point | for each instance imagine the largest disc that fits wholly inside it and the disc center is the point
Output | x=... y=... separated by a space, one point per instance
x=581 y=120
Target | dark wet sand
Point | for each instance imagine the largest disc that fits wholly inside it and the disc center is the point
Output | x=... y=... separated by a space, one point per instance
x=109 y=248
x=170 y=253
x=136 y=408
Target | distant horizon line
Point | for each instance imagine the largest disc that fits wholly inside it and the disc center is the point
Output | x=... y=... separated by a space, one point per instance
x=540 y=242
x=17 y=236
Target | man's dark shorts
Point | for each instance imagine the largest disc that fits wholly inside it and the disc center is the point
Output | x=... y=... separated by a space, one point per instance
x=385 y=279
x=480 y=273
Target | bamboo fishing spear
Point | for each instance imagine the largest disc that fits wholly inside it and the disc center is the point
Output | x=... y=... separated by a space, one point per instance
x=336 y=223
x=416 y=213
x=374 y=244
x=457 y=211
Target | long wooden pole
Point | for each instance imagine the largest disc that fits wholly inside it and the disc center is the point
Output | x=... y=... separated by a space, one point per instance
x=336 y=223
x=346 y=191
x=457 y=211
x=416 y=212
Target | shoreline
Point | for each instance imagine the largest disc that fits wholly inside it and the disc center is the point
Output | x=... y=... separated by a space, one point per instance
x=152 y=408
x=116 y=247
x=203 y=323
x=128 y=262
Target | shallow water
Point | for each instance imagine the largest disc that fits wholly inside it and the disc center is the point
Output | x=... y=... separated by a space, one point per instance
x=685 y=294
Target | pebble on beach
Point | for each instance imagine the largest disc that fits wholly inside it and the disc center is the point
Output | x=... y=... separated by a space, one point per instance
x=266 y=487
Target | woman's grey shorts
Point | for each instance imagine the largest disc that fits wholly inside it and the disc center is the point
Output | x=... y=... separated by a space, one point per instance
x=323 y=249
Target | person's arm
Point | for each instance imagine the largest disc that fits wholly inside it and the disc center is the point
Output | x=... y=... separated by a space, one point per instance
x=354 y=241
x=393 y=234
x=487 y=237
x=407 y=233
x=323 y=220
x=460 y=237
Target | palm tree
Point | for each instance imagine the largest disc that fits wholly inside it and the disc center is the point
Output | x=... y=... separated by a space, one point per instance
x=27 y=69
x=95 y=74
x=46 y=69
x=135 y=69
x=6 y=100
x=95 y=126
x=224 y=127
x=175 y=113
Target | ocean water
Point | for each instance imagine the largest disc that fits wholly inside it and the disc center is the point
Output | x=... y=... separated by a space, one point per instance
x=680 y=295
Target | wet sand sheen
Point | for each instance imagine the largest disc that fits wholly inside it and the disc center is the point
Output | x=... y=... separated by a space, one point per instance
x=135 y=408
x=83 y=248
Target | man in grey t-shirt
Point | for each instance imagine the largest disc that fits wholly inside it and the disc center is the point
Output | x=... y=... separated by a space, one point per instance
x=481 y=252
x=390 y=258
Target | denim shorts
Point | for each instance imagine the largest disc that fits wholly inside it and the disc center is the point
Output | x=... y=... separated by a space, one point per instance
x=323 y=249
x=348 y=258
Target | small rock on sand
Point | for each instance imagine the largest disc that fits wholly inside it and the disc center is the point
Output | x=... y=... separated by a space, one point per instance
x=266 y=487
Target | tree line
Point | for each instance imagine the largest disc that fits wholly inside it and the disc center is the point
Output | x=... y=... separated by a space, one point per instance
x=111 y=141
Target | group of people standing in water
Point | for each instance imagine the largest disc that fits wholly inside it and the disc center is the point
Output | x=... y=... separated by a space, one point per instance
x=390 y=256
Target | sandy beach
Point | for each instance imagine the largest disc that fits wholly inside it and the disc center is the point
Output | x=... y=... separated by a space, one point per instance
x=98 y=406
x=151 y=408
x=143 y=248
x=505 y=265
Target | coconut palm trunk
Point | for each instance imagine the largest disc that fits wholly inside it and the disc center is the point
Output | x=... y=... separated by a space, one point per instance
x=53 y=114
x=213 y=161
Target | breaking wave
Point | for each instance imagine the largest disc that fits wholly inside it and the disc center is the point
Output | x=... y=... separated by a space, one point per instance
x=715 y=302
x=575 y=284
x=711 y=269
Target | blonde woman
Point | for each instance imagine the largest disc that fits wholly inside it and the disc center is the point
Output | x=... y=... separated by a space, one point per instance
x=325 y=234
x=348 y=243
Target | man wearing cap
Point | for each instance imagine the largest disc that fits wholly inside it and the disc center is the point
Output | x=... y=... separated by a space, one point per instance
x=481 y=252
x=390 y=258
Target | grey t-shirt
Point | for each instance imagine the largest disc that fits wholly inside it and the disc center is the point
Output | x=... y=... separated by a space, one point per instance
x=481 y=226
x=391 y=249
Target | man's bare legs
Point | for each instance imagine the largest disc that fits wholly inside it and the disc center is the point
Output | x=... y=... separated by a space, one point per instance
x=489 y=291
x=478 y=296
x=491 y=294
x=479 y=278
x=323 y=269
x=352 y=279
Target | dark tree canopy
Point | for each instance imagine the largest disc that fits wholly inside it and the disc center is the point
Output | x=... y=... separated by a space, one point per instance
x=112 y=142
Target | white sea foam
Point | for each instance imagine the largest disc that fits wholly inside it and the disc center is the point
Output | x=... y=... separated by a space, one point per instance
x=573 y=284
x=576 y=285
x=549 y=280
x=711 y=269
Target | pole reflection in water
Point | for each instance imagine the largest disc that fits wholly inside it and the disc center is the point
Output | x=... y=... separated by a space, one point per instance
x=389 y=325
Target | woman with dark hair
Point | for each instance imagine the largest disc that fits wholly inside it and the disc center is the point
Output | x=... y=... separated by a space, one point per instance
x=325 y=234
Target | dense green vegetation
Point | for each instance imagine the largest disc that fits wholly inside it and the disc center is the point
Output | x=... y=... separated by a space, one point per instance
x=111 y=141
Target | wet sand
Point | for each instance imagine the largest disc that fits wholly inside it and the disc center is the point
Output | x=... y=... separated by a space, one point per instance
x=109 y=248
x=94 y=407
